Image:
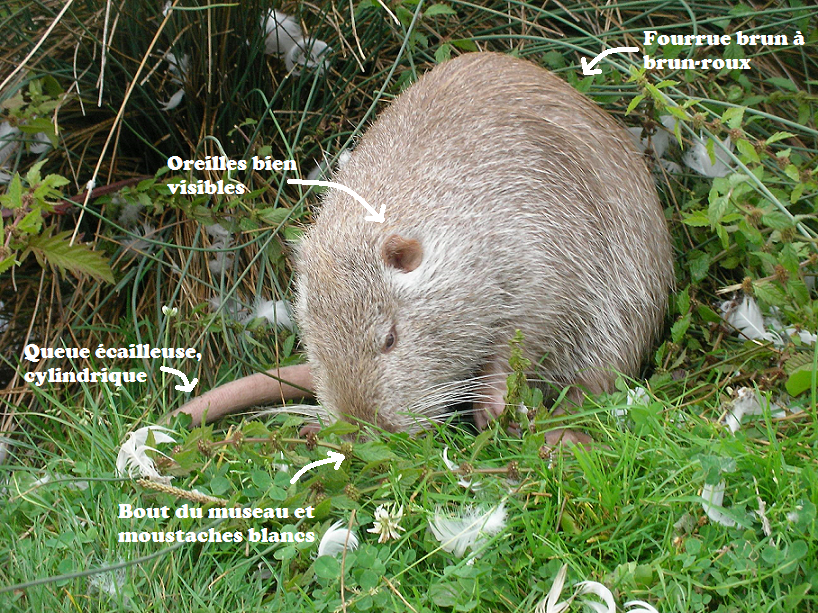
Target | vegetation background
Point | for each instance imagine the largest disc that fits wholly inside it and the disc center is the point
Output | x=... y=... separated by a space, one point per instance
x=85 y=91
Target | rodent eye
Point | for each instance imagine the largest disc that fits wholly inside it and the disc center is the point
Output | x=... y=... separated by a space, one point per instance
x=390 y=341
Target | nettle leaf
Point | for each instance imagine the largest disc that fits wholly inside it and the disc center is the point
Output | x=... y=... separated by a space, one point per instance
x=374 y=451
x=680 y=328
x=791 y=170
x=699 y=263
x=751 y=233
x=55 y=181
x=746 y=148
x=721 y=231
x=733 y=116
x=768 y=260
x=718 y=207
x=13 y=199
x=777 y=221
x=782 y=83
x=465 y=44
x=799 y=291
x=439 y=9
x=274 y=217
x=683 y=301
x=31 y=223
x=633 y=103
x=77 y=258
x=6 y=264
x=697 y=219
x=789 y=258
x=443 y=53
x=770 y=294
x=33 y=175
x=778 y=136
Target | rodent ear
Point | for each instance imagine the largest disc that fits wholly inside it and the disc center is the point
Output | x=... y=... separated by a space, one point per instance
x=405 y=254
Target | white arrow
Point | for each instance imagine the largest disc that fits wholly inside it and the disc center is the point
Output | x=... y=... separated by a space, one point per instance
x=373 y=214
x=187 y=387
x=587 y=66
x=334 y=458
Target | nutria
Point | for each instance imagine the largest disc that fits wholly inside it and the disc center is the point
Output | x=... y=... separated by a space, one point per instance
x=511 y=202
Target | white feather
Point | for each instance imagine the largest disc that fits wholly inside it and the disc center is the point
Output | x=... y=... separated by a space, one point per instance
x=335 y=539
x=470 y=529
x=277 y=312
x=41 y=143
x=283 y=33
x=698 y=159
x=644 y=607
x=549 y=604
x=8 y=141
x=746 y=317
x=599 y=590
x=462 y=482
x=175 y=100
x=713 y=496
x=133 y=460
x=308 y=53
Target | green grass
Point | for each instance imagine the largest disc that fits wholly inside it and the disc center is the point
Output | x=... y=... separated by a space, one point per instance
x=626 y=512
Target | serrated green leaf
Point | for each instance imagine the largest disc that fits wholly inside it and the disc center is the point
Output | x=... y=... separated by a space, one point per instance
x=798 y=361
x=13 y=199
x=707 y=314
x=443 y=53
x=404 y=15
x=340 y=428
x=465 y=44
x=666 y=83
x=439 y=9
x=679 y=329
x=733 y=117
x=6 y=264
x=374 y=451
x=77 y=258
x=778 y=136
x=287 y=347
x=636 y=100
x=699 y=264
x=678 y=113
x=788 y=258
x=777 y=221
x=274 y=217
x=33 y=175
x=416 y=38
x=683 y=301
x=32 y=222
x=40 y=124
x=798 y=290
x=697 y=219
x=55 y=181
x=782 y=83
x=770 y=294
x=717 y=208
x=721 y=231
x=767 y=259
x=292 y=234
x=746 y=148
x=795 y=194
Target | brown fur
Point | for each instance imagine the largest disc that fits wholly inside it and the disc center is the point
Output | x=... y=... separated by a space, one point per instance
x=530 y=208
